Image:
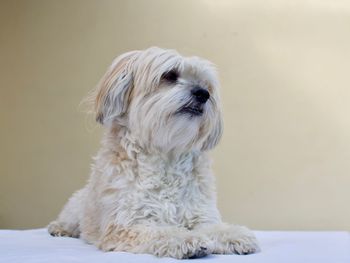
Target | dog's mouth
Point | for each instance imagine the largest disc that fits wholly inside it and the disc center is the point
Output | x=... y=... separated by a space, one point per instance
x=192 y=110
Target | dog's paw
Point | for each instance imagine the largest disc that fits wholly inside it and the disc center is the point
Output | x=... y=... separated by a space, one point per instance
x=238 y=240
x=246 y=244
x=188 y=248
x=57 y=230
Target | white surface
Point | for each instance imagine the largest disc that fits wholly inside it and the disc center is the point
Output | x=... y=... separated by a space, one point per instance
x=282 y=247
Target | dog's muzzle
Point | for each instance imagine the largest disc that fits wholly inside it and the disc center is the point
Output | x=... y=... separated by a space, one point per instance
x=199 y=97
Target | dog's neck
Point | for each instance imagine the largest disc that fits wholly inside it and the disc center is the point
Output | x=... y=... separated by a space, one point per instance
x=120 y=141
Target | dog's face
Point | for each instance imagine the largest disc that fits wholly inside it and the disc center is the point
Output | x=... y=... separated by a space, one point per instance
x=166 y=101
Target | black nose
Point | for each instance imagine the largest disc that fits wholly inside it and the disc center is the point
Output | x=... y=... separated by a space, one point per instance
x=201 y=95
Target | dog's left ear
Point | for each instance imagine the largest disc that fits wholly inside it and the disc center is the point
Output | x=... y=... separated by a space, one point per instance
x=215 y=135
x=111 y=97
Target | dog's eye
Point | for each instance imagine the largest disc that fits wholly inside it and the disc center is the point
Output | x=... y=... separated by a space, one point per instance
x=171 y=76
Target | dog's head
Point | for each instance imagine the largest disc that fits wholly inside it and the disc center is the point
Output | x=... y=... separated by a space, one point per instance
x=166 y=101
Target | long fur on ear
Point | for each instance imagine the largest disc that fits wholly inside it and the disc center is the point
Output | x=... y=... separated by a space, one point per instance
x=110 y=97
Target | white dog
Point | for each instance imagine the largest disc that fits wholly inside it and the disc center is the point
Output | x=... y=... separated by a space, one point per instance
x=151 y=189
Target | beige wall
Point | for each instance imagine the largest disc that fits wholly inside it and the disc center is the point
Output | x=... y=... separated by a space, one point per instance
x=284 y=160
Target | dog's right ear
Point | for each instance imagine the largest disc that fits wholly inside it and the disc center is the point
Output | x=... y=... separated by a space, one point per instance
x=111 y=96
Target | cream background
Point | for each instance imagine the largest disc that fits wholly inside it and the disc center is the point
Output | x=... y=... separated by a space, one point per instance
x=283 y=162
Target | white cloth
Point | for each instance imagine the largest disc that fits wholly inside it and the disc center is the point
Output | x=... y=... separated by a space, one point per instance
x=38 y=246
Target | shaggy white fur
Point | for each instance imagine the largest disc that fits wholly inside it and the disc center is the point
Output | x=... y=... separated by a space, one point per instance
x=151 y=189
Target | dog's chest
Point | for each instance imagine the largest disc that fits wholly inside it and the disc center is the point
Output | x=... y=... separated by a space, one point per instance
x=164 y=192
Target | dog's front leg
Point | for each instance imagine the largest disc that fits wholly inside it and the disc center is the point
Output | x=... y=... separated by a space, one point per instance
x=229 y=239
x=169 y=241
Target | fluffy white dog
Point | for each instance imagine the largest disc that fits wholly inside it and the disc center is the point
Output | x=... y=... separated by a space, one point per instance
x=151 y=189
